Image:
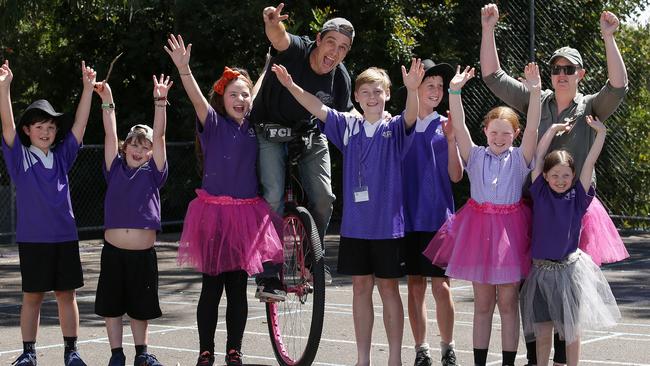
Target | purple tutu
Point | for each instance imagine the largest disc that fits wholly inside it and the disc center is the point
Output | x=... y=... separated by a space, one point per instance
x=484 y=243
x=599 y=237
x=224 y=234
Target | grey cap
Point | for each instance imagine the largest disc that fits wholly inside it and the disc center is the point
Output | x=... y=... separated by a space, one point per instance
x=340 y=25
x=568 y=53
x=148 y=132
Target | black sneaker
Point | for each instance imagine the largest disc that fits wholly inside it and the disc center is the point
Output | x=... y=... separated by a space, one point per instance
x=117 y=359
x=205 y=359
x=270 y=290
x=26 y=359
x=233 y=358
x=146 y=359
x=73 y=359
x=449 y=359
x=422 y=358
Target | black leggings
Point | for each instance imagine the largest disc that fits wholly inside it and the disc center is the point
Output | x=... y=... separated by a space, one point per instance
x=236 y=310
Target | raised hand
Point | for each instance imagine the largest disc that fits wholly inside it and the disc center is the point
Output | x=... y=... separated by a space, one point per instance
x=596 y=124
x=161 y=86
x=459 y=80
x=178 y=52
x=489 y=16
x=413 y=78
x=283 y=75
x=88 y=76
x=532 y=82
x=608 y=23
x=104 y=91
x=5 y=75
x=561 y=128
x=273 y=16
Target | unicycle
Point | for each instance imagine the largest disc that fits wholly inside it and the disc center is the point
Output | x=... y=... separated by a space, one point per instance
x=295 y=325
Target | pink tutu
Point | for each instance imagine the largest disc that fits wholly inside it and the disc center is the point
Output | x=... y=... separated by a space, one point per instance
x=484 y=243
x=224 y=234
x=599 y=237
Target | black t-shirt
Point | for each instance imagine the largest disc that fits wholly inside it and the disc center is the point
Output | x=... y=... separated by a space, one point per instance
x=275 y=104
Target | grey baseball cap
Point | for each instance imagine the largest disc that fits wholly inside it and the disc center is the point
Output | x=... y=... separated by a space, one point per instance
x=340 y=25
x=568 y=53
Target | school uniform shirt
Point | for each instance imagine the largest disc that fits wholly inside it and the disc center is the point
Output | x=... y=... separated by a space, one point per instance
x=428 y=199
x=557 y=219
x=133 y=195
x=42 y=190
x=229 y=156
x=275 y=104
x=499 y=178
x=372 y=158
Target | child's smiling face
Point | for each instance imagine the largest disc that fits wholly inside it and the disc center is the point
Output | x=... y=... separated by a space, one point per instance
x=41 y=134
x=559 y=178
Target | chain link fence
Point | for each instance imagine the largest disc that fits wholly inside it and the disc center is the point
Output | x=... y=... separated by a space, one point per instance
x=615 y=181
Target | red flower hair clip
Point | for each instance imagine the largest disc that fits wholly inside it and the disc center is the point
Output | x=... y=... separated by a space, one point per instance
x=227 y=76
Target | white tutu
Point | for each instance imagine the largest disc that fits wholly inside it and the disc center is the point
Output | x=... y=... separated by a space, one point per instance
x=572 y=293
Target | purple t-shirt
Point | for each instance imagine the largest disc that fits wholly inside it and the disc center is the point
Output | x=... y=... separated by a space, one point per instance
x=42 y=190
x=557 y=219
x=133 y=195
x=374 y=162
x=499 y=178
x=229 y=156
x=428 y=199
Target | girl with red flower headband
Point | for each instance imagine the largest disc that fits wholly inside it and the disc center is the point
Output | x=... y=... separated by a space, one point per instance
x=228 y=231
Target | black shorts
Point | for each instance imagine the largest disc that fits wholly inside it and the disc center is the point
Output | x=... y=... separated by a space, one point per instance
x=416 y=263
x=50 y=266
x=128 y=284
x=382 y=258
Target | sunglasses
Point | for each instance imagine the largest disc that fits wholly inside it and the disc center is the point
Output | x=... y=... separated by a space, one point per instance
x=568 y=69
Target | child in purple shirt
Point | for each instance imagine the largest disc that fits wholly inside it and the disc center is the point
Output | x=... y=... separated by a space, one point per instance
x=373 y=223
x=228 y=231
x=38 y=163
x=431 y=164
x=565 y=289
x=135 y=170
x=487 y=241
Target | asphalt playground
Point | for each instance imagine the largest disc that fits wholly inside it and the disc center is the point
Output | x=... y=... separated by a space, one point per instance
x=173 y=338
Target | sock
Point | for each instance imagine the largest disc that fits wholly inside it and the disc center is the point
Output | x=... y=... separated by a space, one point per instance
x=559 y=345
x=480 y=356
x=29 y=347
x=508 y=358
x=117 y=351
x=140 y=349
x=422 y=347
x=531 y=352
x=70 y=344
x=444 y=347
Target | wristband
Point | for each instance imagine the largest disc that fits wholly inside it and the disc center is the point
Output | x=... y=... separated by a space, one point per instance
x=185 y=73
x=108 y=105
x=454 y=92
x=158 y=99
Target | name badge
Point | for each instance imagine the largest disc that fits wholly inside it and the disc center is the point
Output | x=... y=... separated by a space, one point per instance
x=361 y=194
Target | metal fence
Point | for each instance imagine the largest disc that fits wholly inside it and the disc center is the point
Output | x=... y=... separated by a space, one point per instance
x=87 y=189
x=616 y=183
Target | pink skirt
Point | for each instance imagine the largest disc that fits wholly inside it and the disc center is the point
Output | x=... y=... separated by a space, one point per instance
x=224 y=234
x=484 y=243
x=599 y=237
